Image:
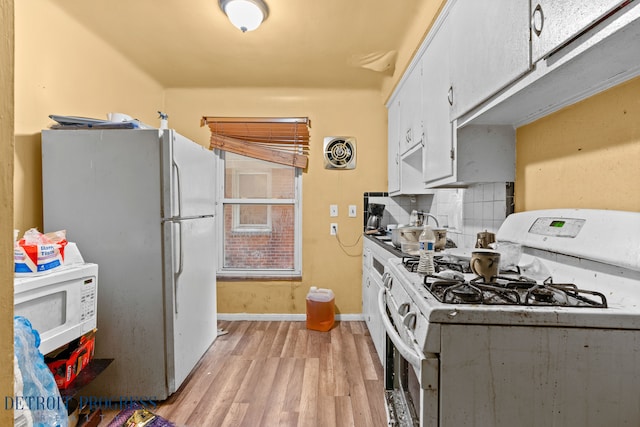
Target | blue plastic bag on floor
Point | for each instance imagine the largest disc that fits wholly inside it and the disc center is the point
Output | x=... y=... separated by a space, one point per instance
x=40 y=395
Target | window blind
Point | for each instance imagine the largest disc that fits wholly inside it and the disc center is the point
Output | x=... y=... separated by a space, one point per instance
x=282 y=140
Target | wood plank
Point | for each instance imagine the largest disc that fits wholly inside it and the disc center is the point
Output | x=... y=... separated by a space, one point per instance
x=344 y=412
x=342 y=387
x=256 y=388
x=359 y=400
x=300 y=350
x=278 y=394
x=217 y=399
x=309 y=378
x=309 y=396
x=376 y=401
x=365 y=358
x=327 y=381
x=236 y=414
x=287 y=419
x=275 y=350
x=290 y=340
x=326 y=411
x=294 y=387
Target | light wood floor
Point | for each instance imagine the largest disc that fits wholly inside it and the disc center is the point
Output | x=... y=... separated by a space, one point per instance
x=281 y=374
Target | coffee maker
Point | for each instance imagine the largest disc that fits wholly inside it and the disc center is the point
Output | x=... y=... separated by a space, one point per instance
x=375 y=211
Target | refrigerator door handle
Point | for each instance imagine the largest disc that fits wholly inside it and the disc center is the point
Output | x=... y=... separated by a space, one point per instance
x=178 y=272
x=178 y=189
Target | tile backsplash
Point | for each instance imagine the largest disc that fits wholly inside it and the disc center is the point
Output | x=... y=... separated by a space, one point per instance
x=464 y=211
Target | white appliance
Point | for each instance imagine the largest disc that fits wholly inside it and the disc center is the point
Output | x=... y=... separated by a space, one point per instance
x=558 y=351
x=141 y=204
x=61 y=305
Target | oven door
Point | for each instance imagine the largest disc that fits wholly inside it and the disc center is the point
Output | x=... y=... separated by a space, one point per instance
x=411 y=376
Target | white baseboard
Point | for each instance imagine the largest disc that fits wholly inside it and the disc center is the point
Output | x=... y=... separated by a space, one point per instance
x=278 y=317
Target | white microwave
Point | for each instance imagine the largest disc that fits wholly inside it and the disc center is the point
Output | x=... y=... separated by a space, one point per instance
x=61 y=305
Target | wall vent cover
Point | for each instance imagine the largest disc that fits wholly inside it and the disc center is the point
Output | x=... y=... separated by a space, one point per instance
x=339 y=152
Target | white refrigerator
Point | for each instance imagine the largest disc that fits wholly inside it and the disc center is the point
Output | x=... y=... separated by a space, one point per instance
x=139 y=203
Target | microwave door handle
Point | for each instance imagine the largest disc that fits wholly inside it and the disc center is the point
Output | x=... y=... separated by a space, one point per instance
x=177 y=273
x=411 y=355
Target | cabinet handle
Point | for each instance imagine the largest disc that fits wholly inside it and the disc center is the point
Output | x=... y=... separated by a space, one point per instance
x=537 y=20
x=450 y=95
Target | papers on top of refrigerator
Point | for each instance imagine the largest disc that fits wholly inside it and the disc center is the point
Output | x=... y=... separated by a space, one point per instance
x=75 y=122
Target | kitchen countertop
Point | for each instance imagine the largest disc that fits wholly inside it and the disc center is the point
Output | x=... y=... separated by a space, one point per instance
x=387 y=244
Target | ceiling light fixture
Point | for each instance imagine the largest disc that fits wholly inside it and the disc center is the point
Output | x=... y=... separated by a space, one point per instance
x=247 y=15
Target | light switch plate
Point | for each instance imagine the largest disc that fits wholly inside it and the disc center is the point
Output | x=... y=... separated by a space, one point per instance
x=333 y=210
x=352 y=211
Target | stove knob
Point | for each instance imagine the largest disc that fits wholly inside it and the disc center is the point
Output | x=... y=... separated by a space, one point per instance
x=409 y=320
x=404 y=308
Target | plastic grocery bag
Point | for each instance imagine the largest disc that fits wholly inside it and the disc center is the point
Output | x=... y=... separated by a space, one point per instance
x=40 y=395
x=38 y=253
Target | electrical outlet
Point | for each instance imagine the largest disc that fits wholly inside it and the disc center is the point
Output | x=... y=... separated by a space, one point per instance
x=334 y=228
x=352 y=211
x=333 y=210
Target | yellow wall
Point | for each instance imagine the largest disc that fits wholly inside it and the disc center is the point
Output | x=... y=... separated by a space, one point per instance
x=62 y=68
x=325 y=264
x=6 y=204
x=425 y=15
x=584 y=156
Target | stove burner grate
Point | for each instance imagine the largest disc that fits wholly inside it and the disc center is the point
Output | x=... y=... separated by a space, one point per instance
x=567 y=294
x=411 y=264
x=461 y=292
x=512 y=291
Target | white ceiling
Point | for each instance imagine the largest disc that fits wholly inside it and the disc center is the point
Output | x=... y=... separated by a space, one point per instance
x=303 y=43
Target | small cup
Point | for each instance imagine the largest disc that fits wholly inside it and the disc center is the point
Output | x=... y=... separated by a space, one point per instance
x=484 y=239
x=486 y=264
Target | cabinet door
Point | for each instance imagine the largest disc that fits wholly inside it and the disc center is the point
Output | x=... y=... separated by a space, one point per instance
x=367 y=307
x=377 y=331
x=555 y=22
x=437 y=159
x=393 y=158
x=411 y=109
x=490 y=49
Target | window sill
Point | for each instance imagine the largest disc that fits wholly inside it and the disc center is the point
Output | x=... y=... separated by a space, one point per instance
x=256 y=278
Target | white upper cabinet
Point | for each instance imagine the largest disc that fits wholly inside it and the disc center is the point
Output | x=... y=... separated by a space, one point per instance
x=438 y=130
x=410 y=97
x=489 y=49
x=486 y=67
x=556 y=22
x=393 y=154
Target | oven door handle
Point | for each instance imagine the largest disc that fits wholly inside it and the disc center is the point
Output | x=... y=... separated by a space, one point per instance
x=411 y=355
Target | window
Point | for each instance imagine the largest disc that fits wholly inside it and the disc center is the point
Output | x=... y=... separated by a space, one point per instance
x=251 y=185
x=260 y=164
x=260 y=214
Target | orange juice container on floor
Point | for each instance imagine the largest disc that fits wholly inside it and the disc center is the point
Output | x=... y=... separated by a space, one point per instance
x=320 y=309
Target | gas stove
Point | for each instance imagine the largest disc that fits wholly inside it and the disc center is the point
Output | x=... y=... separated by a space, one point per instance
x=454 y=283
x=581 y=279
x=535 y=339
